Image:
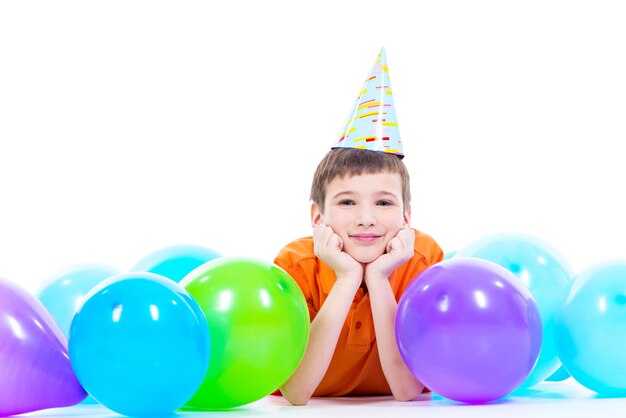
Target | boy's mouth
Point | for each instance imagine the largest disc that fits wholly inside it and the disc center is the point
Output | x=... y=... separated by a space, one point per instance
x=365 y=238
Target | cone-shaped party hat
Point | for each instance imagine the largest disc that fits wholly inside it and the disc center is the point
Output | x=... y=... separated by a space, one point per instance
x=372 y=124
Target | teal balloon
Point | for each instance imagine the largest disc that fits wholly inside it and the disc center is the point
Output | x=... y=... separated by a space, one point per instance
x=64 y=291
x=590 y=328
x=449 y=255
x=176 y=261
x=546 y=274
x=139 y=344
x=560 y=375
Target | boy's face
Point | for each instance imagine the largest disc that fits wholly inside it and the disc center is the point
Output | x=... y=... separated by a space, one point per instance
x=366 y=211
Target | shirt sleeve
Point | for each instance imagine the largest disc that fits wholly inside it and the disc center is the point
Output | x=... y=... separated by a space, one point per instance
x=436 y=255
x=298 y=275
x=427 y=253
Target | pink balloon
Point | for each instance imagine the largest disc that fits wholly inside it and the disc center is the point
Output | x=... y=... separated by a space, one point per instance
x=35 y=369
x=469 y=330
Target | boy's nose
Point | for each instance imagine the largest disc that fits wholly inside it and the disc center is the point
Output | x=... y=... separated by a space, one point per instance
x=365 y=217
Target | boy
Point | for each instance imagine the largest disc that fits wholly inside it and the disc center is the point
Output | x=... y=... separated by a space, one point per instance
x=361 y=258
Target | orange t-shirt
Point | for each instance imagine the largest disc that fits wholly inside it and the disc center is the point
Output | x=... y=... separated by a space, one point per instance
x=355 y=367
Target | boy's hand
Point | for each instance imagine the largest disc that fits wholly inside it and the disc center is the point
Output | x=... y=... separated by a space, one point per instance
x=399 y=251
x=328 y=247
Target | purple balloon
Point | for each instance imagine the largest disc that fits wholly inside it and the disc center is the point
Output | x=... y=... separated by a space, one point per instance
x=35 y=369
x=469 y=330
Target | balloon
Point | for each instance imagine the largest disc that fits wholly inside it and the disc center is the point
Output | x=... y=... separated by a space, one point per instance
x=35 y=371
x=176 y=261
x=139 y=344
x=259 y=324
x=469 y=330
x=63 y=292
x=449 y=255
x=590 y=328
x=560 y=375
x=546 y=274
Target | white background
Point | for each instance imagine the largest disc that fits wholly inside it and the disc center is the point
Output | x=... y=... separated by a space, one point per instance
x=127 y=126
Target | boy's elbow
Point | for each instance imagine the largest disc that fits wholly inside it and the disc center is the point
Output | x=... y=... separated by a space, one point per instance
x=297 y=398
x=405 y=397
x=408 y=395
x=301 y=401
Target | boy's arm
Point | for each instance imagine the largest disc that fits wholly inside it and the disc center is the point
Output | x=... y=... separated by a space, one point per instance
x=324 y=333
x=403 y=384
x=326 y=327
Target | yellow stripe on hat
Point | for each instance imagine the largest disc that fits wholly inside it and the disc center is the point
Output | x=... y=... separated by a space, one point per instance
x=343 y=135
x=390 y=123
x=367 y=114
x=388 y=92
x=385 y=68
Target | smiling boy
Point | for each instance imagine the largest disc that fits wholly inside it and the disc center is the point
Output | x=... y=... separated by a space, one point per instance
x=361 y=257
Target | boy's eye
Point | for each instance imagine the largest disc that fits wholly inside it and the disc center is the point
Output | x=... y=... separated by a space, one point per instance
x=384 y=203
x=346 y=202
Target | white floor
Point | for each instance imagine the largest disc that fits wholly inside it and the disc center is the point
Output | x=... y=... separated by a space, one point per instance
x=548 y=399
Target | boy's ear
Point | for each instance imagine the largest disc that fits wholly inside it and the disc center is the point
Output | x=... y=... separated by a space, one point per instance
x=316 y=215
x=407 y=215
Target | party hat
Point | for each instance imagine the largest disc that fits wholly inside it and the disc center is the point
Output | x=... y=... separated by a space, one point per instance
x=372 y=124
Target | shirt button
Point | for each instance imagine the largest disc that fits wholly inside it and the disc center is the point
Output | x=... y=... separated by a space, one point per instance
x=358 y=325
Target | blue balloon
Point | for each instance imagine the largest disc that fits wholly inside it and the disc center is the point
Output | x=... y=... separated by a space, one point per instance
x=546 y=274
x=558 y=376
x=590 y=328
x=64 y=291
x=139 y=344
x=176 y=261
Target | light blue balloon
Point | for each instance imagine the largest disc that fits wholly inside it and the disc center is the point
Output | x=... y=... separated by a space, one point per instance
x=140 y=344
x=449 y=255
x=590 y=328
x=546 y=274
x=64 y=291
x=176 y=261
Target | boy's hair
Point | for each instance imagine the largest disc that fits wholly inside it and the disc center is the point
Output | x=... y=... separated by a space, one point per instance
x=340 y=162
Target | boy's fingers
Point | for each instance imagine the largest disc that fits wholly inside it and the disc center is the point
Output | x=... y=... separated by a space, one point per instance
x=402 y=237
x=340 y=242
x=394 y=244
x=402 y=243
x=407 y=236
x=324 y=237
x=335 y=242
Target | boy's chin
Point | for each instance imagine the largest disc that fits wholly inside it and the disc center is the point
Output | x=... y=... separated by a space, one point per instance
x=365 y=257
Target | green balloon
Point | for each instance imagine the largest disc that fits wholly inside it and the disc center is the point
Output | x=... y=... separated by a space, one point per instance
x=259 y=325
